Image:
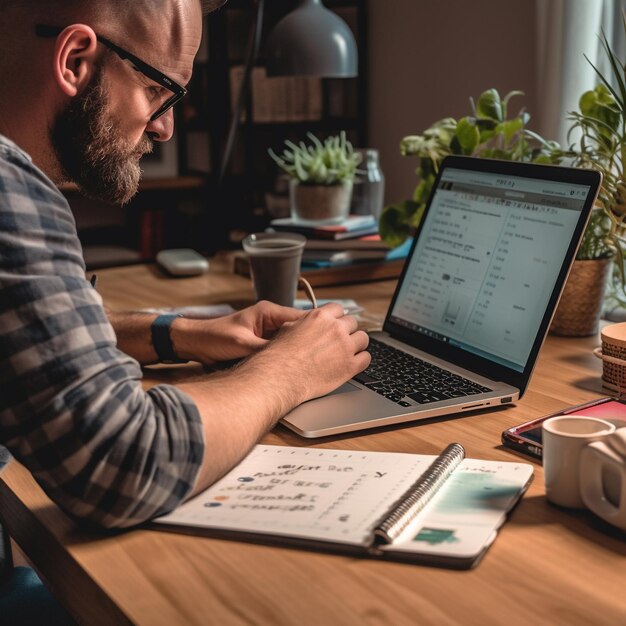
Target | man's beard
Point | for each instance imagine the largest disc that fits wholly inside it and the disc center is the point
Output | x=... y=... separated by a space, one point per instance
x=91 y=150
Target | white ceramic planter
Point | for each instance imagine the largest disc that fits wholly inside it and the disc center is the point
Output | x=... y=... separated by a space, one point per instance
x=319 y=204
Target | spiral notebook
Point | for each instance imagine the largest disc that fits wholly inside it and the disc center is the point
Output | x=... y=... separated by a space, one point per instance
x=438 y=510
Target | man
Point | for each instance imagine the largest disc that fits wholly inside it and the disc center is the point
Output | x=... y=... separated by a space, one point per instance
x=87 y=89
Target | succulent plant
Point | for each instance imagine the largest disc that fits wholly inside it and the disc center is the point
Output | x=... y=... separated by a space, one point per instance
x=330 y=162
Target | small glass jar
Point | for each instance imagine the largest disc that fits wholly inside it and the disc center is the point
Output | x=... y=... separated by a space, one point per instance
x=368 y=193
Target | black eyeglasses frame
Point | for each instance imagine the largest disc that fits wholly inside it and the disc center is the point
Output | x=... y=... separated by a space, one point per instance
x=179 y=92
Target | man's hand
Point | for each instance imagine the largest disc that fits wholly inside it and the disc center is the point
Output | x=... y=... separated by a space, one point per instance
x=221 y=339
x=307 y=358
x=294 y=356
x=316 y=353
x=230 y=337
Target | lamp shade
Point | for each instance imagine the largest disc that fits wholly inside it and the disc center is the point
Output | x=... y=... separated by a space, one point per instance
x=312 y=41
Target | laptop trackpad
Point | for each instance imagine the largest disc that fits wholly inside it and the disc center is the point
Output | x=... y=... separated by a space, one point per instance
x=345 y=388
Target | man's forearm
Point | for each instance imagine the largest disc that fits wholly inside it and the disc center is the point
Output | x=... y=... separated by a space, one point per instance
x=133 y=334
x=308 y=358
x=191 y=339
x=237 y=408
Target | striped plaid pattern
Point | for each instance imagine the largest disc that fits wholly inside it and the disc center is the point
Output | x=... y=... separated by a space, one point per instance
x=72 y=408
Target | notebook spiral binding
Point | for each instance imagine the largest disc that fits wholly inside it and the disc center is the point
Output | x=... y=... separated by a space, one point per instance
x=420 y=494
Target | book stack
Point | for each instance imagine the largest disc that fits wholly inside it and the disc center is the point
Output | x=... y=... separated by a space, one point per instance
x=353 y=227
x=349 y=252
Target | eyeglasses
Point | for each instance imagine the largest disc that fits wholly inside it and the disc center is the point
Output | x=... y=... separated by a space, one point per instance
x=137 y=64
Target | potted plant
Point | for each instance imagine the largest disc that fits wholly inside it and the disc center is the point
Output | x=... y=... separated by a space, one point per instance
x=599 y=130
x=580 y=306
x=321 y=177
x=488 y=132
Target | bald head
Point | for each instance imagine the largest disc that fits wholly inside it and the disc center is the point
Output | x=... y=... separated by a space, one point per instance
x=121 y=20
x=81 y=9
x=157 y=25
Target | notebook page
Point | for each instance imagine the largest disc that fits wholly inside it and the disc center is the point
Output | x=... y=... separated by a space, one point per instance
x=463 y=517
x=329 y=495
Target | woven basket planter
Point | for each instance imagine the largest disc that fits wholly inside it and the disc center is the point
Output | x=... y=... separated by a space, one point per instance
x=578 y=313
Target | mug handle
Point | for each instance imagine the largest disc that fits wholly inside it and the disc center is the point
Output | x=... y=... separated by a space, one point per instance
x=594 y=459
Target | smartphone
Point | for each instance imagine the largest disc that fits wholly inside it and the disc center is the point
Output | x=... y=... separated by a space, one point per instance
x=526 y=438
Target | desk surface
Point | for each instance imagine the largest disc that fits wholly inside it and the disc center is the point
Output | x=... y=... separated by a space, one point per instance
x=546 y=566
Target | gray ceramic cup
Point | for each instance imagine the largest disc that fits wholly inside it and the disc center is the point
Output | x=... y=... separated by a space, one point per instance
x=275 y=265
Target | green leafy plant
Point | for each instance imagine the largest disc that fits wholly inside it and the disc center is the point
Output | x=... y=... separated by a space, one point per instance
x=330 y=162
x=595 y=243
x=489 y=132
x=599 y=132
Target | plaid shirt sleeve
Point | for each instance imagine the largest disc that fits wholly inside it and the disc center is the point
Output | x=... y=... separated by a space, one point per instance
x=72 y=408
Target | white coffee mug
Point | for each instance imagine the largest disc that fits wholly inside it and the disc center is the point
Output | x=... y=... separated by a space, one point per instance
x=564 y=438
x=603 y=478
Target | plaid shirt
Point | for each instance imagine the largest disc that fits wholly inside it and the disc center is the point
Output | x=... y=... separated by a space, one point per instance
x=72 y=408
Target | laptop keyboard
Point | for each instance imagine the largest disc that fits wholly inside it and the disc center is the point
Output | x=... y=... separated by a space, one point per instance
x=398 y=376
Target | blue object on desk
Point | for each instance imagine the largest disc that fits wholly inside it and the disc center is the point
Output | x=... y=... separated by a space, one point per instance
x=401 y=252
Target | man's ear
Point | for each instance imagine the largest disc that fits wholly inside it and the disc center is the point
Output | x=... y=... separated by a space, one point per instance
x=75 y=55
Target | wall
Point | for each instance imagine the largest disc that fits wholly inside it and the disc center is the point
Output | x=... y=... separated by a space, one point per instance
x=427 y=57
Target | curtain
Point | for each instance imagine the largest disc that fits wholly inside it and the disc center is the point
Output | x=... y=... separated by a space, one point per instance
x=566 y=31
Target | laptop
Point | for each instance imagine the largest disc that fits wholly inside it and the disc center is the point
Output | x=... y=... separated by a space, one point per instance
x=474 y=301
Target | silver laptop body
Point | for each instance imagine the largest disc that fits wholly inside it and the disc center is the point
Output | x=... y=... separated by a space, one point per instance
x=475 y=298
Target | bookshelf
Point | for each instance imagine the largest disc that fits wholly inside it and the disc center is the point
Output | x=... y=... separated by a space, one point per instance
x=276 y=109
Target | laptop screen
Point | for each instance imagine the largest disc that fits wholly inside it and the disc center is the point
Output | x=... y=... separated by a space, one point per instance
x=487 y=260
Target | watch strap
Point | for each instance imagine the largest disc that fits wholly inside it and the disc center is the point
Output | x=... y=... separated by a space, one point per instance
x=161 y=340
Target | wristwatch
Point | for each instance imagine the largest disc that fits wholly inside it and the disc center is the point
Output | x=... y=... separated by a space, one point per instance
x=161 y=340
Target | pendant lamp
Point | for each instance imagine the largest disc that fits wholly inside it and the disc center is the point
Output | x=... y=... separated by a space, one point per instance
x=312 y=41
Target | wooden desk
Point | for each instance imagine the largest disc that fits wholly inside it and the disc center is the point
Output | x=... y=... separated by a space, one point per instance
x=547 y=566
